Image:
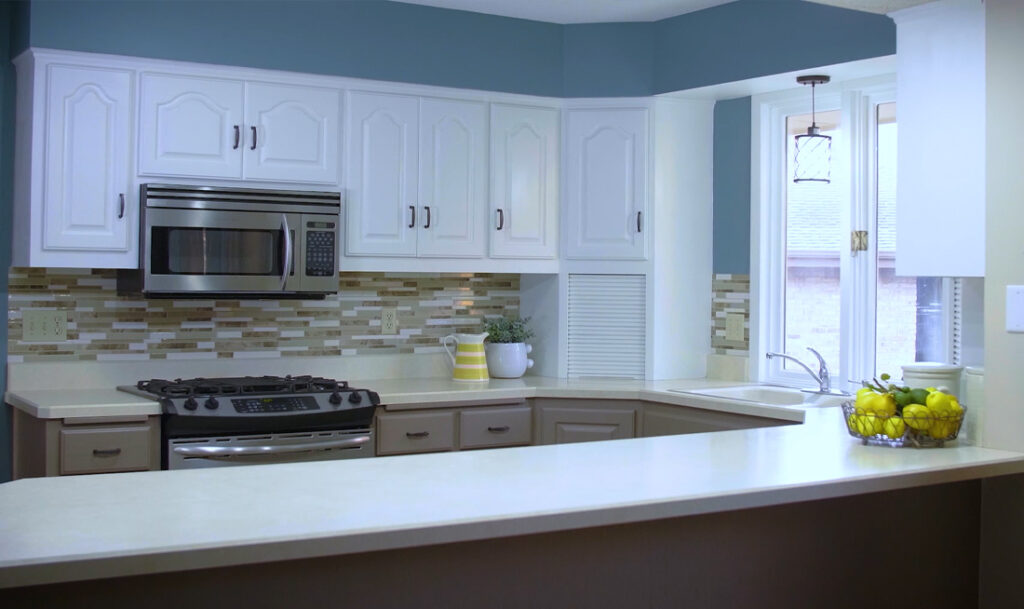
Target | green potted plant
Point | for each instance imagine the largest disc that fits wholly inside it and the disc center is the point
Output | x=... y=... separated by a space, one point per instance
x=506 y=347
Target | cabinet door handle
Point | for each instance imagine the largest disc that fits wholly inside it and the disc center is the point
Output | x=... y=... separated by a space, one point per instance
x=417 y=434
x=106 y=452
x=427 y=225
x=639 y=227
x=120 y=209
x=412 y=220
x=501 y=429
x=253 y=147
x=501 y=219
x=238 y=137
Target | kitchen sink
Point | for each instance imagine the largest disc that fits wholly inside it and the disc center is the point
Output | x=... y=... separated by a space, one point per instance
x=769 y=394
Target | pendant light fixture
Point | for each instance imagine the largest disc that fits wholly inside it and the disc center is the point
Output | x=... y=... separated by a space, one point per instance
x=813 y=159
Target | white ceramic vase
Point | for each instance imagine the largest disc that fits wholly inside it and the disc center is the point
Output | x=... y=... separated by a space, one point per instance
x=508 y=360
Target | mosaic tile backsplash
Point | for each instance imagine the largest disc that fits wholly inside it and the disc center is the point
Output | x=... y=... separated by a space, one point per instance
x=729 y=294
x=105 y=326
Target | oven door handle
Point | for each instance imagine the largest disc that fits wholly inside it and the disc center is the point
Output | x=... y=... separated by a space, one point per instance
x=287 y=250
x=215 y=452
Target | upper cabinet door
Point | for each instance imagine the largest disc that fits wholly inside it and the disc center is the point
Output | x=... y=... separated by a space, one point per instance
x=190 y=126
x=291 y=133
x=381 y=169
x=87 y=200
x=524 y=182
x=607 y=183
x=940 y=157
x=453 y=178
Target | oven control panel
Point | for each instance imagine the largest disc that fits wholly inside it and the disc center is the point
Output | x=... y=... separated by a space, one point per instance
x=274 y=404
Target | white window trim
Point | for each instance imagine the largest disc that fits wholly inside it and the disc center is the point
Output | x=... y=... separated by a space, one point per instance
x=768 y=160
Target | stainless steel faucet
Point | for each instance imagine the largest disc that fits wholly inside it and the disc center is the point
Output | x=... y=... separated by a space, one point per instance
x=822 y=377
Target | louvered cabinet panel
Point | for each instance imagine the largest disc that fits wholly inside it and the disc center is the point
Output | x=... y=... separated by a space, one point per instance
x=607 y=326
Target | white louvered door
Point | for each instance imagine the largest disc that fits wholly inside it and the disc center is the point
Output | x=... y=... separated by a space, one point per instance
x=607 y=324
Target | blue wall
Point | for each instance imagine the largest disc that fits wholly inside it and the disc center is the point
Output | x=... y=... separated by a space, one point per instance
x=731 y=233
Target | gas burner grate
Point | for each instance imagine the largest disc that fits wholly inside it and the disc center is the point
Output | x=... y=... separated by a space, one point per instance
x=248 y=385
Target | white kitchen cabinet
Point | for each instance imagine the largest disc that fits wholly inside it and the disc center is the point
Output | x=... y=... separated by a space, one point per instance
x=606 y=183
x=75 y=204
x=940 y=209
x=193 y=126
x=416 y=176
x=524 y=182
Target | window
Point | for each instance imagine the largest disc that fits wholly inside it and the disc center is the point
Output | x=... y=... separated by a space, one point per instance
x=810 y=288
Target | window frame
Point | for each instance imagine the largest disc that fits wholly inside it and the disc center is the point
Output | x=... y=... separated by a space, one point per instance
x=853 y=146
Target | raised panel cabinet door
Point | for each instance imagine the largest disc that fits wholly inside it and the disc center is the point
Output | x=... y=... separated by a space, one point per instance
x=524 y=182
x=291 y=133
x=565 y=425
x=87 y=199
x=381 y=174
x=190 y=126
x=453 y=178
x=607 y=183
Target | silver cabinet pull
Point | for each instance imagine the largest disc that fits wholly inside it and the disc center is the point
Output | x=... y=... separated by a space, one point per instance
x=120 y=209
x=501 y=429
x=412 y=220
x=639 y=228
x=427 y=225
x=501 y=219
x=238 y=137
x=106 y=452
x=214 y=452
x=417 y=434
x=253 y=147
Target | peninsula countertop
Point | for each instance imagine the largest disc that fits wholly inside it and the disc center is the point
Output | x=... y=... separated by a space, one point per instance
x=99 y=526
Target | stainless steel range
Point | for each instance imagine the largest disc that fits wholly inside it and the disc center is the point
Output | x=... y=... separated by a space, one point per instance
x=209 y=422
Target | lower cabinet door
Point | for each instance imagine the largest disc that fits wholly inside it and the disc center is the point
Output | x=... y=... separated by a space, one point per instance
x=493 y=427
x=564 y=425
x=415 y=432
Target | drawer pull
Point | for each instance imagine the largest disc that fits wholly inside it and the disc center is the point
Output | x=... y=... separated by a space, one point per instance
x=106 y=452
x=417 y=434
x=501 y=429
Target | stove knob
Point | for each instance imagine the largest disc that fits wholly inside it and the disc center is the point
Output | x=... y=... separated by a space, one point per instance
x=211 y=403
x=190 y=403
x=335 y=398
x=355 y=397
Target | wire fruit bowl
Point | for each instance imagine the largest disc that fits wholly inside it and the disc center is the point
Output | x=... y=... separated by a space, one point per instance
x=895 y=430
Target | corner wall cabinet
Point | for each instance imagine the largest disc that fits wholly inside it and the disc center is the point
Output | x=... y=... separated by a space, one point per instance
x=74 y=201
x=606 y=183
x=417 y=176
x=220 y=128
x=524 y=181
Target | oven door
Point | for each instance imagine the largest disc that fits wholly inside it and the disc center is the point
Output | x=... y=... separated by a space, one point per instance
x=201 y=250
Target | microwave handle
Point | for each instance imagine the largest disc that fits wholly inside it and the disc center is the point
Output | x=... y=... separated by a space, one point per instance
x=287 y=250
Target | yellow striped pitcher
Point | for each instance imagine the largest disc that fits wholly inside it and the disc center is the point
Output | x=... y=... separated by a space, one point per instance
x=469 y=363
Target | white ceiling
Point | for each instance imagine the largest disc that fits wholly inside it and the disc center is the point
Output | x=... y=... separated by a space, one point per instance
x=594 y=11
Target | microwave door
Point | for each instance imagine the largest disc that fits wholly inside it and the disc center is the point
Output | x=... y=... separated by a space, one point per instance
x=221 y=251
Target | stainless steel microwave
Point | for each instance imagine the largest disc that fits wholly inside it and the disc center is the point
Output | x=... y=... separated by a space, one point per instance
x=201 y=241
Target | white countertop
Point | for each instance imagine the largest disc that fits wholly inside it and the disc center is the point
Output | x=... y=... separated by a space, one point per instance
x=83 y=527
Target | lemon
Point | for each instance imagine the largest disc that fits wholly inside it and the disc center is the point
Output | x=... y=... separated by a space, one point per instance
x=894 y=427
x=879 y=403
x=868 y=424
x=917 y=417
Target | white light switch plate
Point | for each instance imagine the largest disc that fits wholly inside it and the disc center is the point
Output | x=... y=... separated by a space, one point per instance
x=734 y=326
x=1015 y=308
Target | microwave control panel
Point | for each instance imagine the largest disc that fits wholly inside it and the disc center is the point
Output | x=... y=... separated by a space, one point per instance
x=320 y=248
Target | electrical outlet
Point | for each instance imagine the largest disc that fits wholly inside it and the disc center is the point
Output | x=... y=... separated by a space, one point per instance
x=734 y=326
x=48 y=326
x=389 y=321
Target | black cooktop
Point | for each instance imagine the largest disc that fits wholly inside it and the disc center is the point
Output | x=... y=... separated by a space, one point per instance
x=245 y=385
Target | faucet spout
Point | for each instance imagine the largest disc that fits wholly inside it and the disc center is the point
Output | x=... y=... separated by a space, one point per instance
x=821 y=377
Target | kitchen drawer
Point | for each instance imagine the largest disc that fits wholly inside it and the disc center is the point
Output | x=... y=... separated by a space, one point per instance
x=484 y=427
x=104 y=449
x=417 y=432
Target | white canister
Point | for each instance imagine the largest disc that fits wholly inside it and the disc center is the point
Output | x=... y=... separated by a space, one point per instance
x=974 y=399
x=508 y=360
x=945 y=377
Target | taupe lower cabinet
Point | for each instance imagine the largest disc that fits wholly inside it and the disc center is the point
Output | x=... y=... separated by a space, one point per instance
x=435 y=429
x=59 y=447
x=662 y=420
x=561 y=421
